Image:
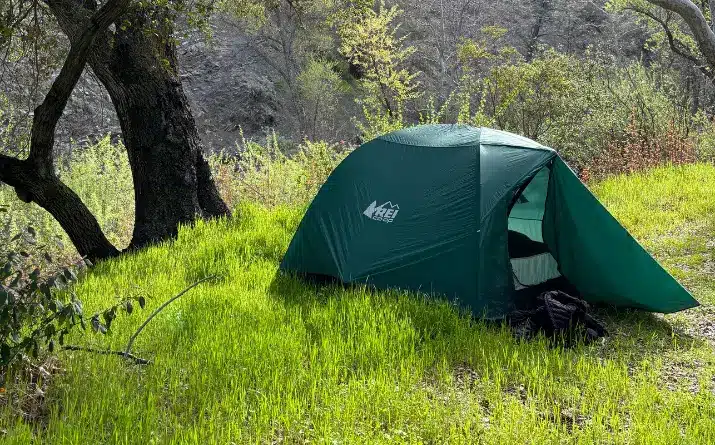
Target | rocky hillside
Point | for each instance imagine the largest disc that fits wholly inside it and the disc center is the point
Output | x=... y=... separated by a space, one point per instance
x=247 y=80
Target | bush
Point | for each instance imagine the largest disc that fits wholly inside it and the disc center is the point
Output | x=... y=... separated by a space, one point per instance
x=591 y=111
x=101 y=176
x=637 y=150
x=38 y=309
x=266 y=174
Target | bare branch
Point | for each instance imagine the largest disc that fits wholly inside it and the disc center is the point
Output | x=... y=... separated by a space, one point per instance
x=128 y=350
x=678 y=47
x=132 y=357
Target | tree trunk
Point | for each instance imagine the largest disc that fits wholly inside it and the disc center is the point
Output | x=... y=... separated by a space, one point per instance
x=34 y=179
x=172 y=180
x=532 y=46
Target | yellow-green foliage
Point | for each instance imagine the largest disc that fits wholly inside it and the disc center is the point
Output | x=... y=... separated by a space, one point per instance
x=321 y=89
x=265 y=174
x=582 y=108
x=259 y=358
x=368 y=39
x=100 y=175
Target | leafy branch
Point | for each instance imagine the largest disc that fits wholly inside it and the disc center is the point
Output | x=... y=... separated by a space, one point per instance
x=38 y=309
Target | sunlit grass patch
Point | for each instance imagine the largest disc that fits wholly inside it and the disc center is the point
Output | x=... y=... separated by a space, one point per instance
x=256 y=357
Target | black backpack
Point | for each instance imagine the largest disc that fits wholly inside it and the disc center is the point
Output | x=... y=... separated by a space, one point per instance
x=558 y=315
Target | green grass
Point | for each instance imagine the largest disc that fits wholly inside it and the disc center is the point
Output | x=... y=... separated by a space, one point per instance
x=259 y=358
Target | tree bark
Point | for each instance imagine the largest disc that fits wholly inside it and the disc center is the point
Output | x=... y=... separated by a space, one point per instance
x=543 y=7
x=172 y=180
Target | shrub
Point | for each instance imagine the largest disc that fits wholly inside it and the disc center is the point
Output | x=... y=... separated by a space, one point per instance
x=585 y=109
x=37 y=310
x=638 y=150
x=368 y=39
x=266 y=174
x=101 y=176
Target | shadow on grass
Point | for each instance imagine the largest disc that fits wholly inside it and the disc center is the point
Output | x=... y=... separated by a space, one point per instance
x=634 y=335
x=638 y=335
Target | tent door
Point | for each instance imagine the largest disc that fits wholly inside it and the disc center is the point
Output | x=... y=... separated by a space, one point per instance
x=531 y=262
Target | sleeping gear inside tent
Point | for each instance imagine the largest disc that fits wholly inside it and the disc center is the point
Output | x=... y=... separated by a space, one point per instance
x=484 y=218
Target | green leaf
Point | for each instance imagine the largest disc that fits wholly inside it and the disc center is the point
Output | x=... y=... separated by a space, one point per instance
x=31 y=230
x=94 y=321
x=16 y=280
x=142 y=301
x=47 y=293
x=51 y=346
x=59 y=282
x=49 y=330
x=129 y=307
x=76 y=307
x=109 y=316
x=5 y=353
x=6 y=270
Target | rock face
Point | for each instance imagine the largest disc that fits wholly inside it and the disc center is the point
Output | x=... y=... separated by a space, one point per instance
x=228 y=88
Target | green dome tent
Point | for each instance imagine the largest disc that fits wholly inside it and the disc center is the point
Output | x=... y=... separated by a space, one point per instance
x=477 y=216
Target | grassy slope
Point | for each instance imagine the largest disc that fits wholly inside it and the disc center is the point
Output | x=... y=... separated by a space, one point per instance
x=258 y=359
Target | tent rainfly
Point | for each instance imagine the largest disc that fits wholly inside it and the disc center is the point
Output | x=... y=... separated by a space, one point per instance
x=477 y=216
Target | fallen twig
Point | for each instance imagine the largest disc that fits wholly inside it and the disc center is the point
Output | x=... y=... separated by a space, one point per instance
x=159 y=309
x=134 y=358
x=127 y=352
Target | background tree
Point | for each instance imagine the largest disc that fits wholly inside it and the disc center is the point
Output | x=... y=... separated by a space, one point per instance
x=369 y=41
x=135 y=60
x=685 y=27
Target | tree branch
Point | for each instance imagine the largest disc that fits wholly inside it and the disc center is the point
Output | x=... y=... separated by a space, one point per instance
x=699 y=26
x=49 y=112
x=34 y=179
x=678 y=47
x=13 y=172
x=134 y=358
x=159 y=309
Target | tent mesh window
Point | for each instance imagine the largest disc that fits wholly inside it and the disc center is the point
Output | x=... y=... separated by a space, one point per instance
x=531 y=261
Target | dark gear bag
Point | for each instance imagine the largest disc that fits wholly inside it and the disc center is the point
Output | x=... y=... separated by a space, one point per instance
x=558 y=314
